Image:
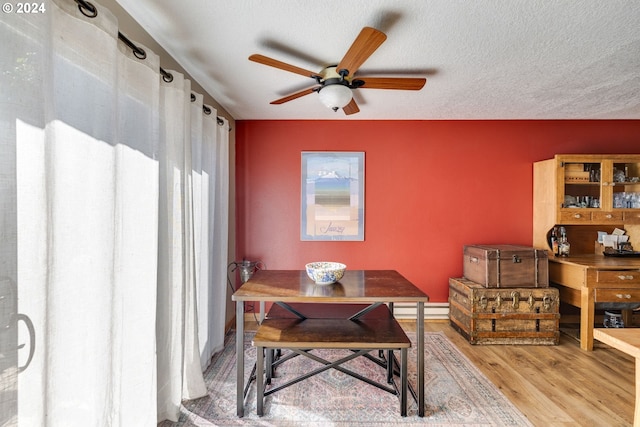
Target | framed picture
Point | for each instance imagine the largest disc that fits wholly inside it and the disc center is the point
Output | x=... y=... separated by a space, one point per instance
x=332 y=202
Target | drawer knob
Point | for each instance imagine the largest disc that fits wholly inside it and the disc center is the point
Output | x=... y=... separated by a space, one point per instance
x=625 y=296
x=608 y=216
x=625 y=277
x=577 y=216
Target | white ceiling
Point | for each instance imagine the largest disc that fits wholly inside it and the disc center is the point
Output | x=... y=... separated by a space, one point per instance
x=483 y=59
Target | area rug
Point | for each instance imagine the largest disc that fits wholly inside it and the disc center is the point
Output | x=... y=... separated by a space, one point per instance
x=457 y=394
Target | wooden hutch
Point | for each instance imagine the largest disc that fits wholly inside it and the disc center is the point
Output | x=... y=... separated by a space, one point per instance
x=586 y=194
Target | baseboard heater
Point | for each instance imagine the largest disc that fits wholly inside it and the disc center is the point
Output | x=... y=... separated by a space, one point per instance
x=432 y=311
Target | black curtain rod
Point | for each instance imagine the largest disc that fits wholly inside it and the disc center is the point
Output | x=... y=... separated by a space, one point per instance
x=207 y=110
x=90 y=11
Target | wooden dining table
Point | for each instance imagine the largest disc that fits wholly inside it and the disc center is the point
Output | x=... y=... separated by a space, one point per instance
x=356 y=286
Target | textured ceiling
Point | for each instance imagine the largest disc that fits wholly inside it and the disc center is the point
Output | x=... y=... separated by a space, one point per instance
x=483 y=59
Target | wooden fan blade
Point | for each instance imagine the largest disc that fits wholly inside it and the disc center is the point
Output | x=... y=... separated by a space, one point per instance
x=399 y=83
x=351 y=108
x=294 y=96
x=261 y=59
x=363 y=46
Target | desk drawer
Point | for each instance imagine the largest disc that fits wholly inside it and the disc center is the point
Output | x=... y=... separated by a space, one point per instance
x=622 y=277
x=632 y=217
x=573 y=216
x=604 y=217
x=617 y=295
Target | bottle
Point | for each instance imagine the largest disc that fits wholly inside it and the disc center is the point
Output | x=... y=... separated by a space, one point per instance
x=554 y=241
x=563 y=245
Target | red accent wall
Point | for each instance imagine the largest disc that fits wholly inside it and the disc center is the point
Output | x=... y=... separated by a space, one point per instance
x=430 y=188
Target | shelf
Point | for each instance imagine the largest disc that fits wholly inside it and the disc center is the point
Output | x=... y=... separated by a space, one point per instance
x=582 y=183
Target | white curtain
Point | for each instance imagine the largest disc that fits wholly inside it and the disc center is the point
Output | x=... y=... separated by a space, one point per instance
x=104 y=230
x=220 y=244
x=210 y=166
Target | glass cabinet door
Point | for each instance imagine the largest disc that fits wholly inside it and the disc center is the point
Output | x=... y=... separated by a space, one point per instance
x=582 y=189
x=622 y=185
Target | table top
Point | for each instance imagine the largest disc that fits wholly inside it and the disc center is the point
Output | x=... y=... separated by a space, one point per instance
x=626 y=340
x=355 y=286
x=598 y=261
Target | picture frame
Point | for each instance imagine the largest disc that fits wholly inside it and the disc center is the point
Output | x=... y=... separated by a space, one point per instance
x=332 y=196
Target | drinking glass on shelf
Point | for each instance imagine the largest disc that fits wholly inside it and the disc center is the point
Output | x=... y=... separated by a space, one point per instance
x=618 y=175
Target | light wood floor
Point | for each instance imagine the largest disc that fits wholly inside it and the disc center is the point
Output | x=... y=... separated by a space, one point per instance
x=554 y=385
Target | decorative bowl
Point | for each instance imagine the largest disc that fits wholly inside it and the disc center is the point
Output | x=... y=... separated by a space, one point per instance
x=325 y=273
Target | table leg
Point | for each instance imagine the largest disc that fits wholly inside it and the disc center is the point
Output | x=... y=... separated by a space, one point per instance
x=260 y=369
x=240 y=358
x=403 y=382
x=420 y=361
x=627 y=318
x=636 y=412
x=587 y=317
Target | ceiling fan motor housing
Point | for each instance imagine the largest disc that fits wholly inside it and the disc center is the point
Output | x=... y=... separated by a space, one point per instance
x=331 y=76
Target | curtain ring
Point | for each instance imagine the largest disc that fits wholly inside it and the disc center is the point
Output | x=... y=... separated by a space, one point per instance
x=167 y=77
x=139 y=53
x=206 y=110
x=87 y=9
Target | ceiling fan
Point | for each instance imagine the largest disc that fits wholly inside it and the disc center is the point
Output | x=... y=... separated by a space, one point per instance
x=336 y=82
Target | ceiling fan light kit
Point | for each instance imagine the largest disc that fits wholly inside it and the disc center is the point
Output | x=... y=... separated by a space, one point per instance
x=334 y=90
x=334 y=87
x=335 y=96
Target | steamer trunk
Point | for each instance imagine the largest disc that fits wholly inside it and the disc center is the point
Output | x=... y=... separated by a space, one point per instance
x=506 y=266
x=504 y=316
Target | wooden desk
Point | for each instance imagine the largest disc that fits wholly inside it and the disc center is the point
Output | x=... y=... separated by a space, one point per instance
x=357 y=286
x=627 y=340
x=586 y=280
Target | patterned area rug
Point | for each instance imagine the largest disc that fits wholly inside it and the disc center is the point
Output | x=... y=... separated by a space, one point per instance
x=457 y=394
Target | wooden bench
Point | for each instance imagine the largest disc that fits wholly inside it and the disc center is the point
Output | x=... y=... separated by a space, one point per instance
x=302 y=335
x=331 y=311
x=627 y=340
